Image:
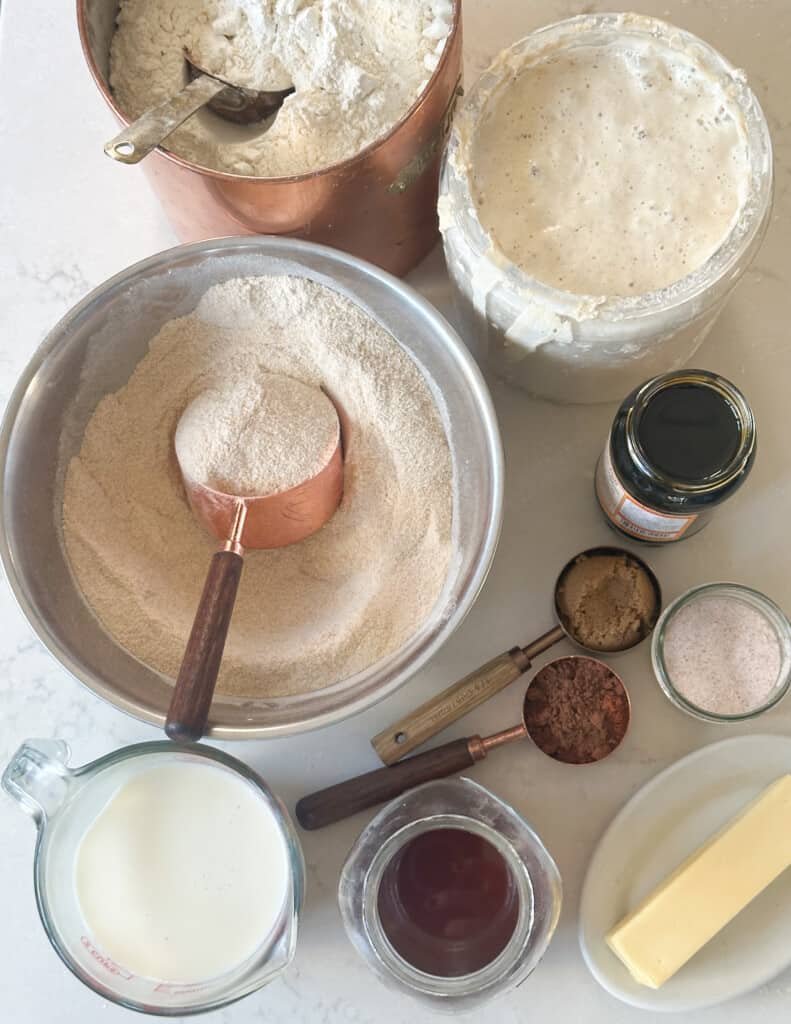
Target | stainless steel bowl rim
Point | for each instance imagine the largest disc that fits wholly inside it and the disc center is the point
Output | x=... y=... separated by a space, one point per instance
x=286 y=248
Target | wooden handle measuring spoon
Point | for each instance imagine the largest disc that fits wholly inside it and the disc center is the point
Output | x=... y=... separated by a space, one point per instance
x=346 y=798
x=240 y=521
x=454 y=702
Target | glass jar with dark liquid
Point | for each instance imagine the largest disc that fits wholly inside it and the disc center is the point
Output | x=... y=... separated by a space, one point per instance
x=450 y=895
x=679 y=446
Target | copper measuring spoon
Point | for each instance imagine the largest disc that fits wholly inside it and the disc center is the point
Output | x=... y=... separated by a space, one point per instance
x=346 y=798
x=238 y=522
x=454 y=702
x=229 y=101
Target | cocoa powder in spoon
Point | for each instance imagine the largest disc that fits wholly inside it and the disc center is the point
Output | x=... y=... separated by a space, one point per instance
x=576 y=710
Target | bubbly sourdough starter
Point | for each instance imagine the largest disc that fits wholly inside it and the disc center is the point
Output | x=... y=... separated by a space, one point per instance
x=183 y=874
x=612 y=169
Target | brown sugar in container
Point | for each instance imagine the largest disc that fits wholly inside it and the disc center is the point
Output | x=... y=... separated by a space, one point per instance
x=380 y=205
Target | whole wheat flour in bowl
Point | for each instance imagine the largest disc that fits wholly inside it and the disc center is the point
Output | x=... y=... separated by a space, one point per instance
x=357 y=67
x=307 y=616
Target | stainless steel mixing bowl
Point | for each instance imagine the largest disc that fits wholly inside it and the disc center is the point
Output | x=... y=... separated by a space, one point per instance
x=93 y=351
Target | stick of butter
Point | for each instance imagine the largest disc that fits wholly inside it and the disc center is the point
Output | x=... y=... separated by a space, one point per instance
x=708 y=890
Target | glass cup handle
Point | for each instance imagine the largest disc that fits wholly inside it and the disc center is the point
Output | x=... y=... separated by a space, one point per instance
x=37 y=777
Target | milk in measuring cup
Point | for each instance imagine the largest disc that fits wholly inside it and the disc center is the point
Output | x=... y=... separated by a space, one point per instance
x=183 y=874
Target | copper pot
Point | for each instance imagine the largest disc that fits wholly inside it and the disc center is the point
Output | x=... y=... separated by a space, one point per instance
x=379 y=205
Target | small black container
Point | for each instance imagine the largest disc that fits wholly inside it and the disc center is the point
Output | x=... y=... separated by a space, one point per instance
x=680 y=445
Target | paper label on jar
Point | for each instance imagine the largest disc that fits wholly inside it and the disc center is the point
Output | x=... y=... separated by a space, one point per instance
x=631 y=516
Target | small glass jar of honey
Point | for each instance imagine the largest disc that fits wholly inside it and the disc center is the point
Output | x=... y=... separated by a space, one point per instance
x=449 y=895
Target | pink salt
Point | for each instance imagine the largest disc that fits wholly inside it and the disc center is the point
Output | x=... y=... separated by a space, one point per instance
x=722 y=654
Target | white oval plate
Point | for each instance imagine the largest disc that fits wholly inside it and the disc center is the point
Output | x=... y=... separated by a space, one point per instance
x=658 y=828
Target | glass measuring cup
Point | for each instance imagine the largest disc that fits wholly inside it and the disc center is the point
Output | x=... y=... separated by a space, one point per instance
x=437 y=713
x=64 y=802
x=451 y=804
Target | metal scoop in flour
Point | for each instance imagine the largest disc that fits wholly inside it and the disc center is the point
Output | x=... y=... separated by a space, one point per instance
x=240 y=521
x=231 y=102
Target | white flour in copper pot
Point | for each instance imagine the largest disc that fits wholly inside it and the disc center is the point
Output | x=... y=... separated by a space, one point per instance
x=306 y=616
x=357 y=67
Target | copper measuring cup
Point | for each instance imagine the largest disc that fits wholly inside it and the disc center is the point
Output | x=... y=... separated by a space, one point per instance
x=346 y=798
x=454 y=702
x=239 y=522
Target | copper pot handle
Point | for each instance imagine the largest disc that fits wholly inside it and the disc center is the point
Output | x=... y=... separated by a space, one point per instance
x=423 y=159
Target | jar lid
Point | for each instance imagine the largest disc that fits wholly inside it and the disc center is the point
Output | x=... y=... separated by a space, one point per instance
x=691 y=431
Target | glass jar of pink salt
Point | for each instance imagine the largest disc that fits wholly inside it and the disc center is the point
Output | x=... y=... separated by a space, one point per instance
x=722 y=653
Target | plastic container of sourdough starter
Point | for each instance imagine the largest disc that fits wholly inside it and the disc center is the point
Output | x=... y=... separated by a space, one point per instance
x=64 y=802
x=583 y=348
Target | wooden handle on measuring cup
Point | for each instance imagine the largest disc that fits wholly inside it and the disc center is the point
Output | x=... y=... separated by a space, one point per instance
x=346 y=798
x=454 y=702
x=192 y=696
x=433 y=716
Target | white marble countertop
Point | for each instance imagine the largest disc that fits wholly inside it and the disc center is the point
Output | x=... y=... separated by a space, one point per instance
x=70 y=218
